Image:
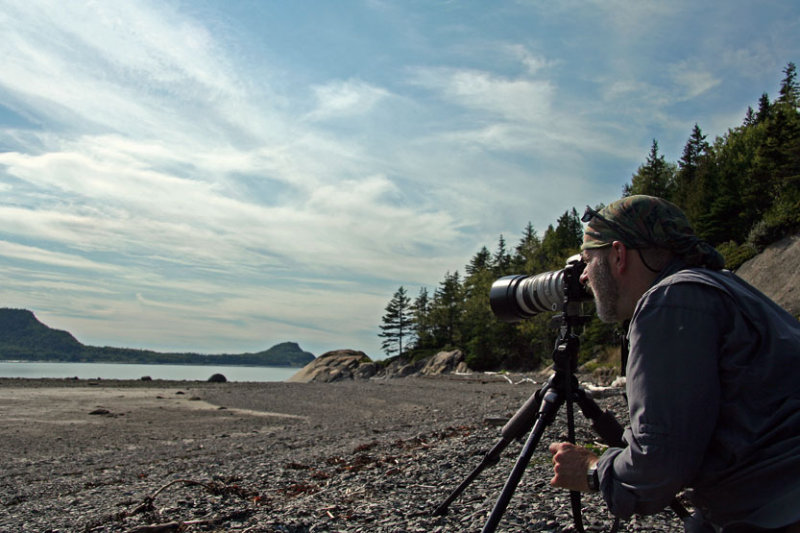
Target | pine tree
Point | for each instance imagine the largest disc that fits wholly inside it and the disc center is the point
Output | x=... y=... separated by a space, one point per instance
x=749 y=117
x=655 y=178
x=396 y=323
x=686 y=177
x=790 y=90
x=764 y=108
x=421 y=321
x=481 y=261
x=446 y=311
x=562 y=241
x=501 y=259
x=478 y=326
x=528 y=255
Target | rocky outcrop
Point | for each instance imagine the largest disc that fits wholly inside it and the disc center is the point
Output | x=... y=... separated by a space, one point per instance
x=342 y=365
x=336 y=365
x=445 y=363
x=774 y=272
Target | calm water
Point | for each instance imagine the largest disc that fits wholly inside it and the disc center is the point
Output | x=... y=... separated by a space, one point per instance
x=12 y=369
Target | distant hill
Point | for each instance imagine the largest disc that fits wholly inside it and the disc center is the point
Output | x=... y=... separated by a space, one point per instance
x=24 y=338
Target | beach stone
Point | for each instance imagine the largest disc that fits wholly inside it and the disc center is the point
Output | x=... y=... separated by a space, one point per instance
x=218 y=378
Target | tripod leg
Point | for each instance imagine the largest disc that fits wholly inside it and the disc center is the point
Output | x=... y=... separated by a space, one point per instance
x=515 y=428
x=550 y=404
x=603 y=422
x=490 y=459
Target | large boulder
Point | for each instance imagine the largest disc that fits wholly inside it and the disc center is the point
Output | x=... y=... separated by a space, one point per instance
x=341 y=365
x=401 y=368
x=444 y=363
x=441 y=363
x=335 y=365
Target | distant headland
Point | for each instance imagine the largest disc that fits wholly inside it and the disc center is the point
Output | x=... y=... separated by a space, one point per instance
x=24 y=338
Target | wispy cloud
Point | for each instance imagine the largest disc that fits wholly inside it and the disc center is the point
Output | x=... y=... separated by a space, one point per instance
x=346 y=98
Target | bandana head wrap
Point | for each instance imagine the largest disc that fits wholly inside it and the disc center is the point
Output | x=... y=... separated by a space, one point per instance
x=648 y=222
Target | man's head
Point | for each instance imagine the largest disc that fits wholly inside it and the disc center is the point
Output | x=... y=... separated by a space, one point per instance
x=628 y=243
x=646 y=222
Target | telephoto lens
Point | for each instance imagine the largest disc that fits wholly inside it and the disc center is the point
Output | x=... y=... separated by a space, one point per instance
x=515 y=298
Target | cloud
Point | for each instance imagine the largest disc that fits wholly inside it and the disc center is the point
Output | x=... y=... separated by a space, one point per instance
x=508 y=99
x=691 y=79
x=32 y=254
x=346 y=98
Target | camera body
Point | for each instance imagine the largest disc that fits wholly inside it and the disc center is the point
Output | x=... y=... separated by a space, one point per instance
x=517 y=297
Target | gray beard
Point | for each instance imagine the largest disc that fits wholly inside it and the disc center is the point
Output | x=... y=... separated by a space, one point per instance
x=605 y=291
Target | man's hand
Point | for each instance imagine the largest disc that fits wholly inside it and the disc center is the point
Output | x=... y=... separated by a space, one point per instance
x=571 y=464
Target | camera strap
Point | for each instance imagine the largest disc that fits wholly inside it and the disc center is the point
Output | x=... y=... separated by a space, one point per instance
x=624 y=347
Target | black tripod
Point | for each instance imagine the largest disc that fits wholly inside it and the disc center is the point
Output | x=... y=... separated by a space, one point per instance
x=539 y=412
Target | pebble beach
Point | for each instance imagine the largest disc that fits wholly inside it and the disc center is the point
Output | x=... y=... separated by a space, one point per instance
x=361 y=456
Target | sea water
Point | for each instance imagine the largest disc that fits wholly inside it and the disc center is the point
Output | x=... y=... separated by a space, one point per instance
x=19 y=369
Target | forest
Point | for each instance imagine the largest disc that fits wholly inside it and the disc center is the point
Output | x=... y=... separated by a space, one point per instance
x=741 y=192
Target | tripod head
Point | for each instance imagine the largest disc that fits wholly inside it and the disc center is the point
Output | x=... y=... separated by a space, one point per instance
x=565 y=355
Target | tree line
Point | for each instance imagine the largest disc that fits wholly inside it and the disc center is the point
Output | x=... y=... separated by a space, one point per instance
x=741 y=193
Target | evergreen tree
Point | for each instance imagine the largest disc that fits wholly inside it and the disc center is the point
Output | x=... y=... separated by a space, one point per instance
x=421 y=321
x=719 y=204
x=446 y=311
x=562 y=241
x=778 y=160
x=501 y=259
x=528 y=255
x=749 y=117
x=790 y=90
x=480 y=330
x=764 y=108
x=396 y=325
x=655 y=178
x=482 y=261
x=686 y=177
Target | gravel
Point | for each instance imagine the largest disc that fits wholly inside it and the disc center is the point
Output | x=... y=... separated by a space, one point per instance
x=364 y=456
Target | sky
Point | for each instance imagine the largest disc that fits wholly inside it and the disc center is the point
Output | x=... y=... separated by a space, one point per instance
x=219 y=176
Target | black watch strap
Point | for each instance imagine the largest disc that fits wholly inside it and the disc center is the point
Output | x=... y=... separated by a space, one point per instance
x=593 y=479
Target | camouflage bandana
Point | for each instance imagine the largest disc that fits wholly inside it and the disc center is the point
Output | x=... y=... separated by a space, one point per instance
x=648 y=222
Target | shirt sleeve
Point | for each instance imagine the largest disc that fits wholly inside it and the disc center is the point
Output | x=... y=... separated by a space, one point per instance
x=673 y=393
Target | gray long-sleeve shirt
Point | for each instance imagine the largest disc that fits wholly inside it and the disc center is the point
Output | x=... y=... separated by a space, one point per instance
x=713 y=383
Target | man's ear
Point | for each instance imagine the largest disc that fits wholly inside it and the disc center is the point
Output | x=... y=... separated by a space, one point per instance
x=619 y=257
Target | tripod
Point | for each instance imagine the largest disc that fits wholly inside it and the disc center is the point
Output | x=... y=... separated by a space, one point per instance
x=539 y=412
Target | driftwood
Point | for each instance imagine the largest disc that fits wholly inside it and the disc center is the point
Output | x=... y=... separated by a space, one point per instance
x=179 y=526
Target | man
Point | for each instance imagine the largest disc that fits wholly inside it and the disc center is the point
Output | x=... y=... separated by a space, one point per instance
x=713 y=378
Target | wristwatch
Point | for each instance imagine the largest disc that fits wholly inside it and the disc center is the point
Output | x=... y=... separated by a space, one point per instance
x=593 y=479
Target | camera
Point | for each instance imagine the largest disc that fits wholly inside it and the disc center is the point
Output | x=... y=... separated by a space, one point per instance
x=518 y=297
